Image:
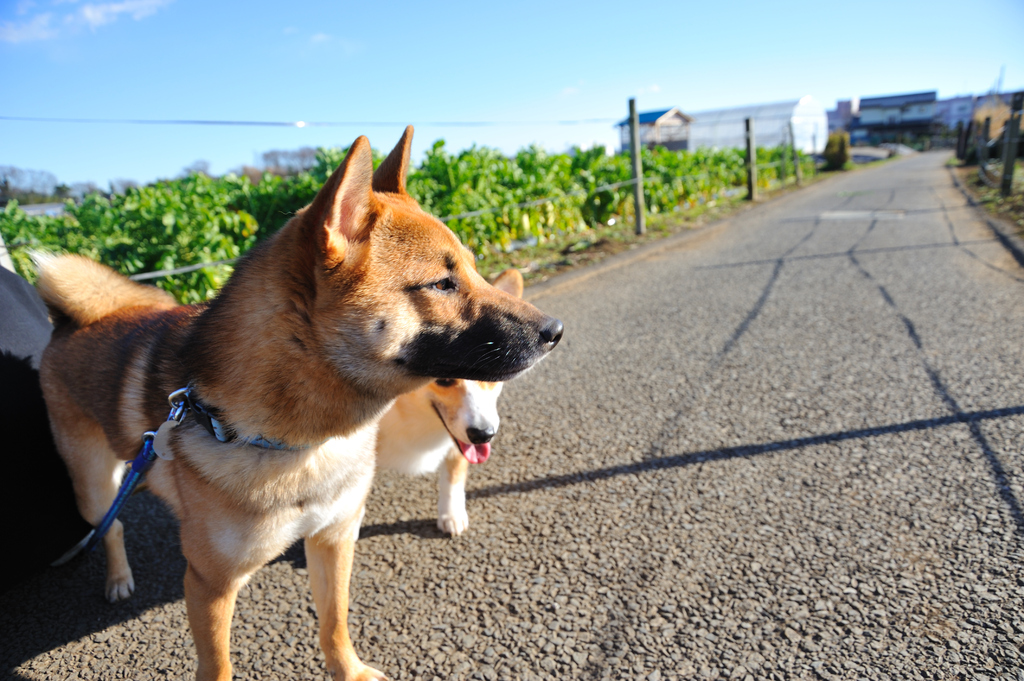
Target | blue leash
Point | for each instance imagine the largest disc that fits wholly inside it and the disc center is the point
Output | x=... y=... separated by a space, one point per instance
x=154 y=444
x=140 y=464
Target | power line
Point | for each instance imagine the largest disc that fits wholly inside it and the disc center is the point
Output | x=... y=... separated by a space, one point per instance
x=304 y=124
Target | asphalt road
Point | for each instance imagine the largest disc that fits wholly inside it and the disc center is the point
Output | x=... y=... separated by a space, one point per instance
x=786 y=446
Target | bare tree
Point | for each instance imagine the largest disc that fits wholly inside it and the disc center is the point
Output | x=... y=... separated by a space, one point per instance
x=289 y=162
x=80 y=189
x=122 y=185
x=199 y=167
x=25 y=185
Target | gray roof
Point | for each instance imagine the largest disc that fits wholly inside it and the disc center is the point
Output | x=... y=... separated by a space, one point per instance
x=897 y=100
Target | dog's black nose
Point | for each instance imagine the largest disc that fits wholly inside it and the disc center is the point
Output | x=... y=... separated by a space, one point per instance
x=478 y=436
x=551 y=332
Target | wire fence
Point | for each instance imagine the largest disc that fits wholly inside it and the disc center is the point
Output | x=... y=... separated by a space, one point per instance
x=145 y=276
x=996 y=170
x=447 y=218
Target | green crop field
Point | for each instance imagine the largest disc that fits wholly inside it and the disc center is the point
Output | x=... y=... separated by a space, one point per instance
x=197 y=219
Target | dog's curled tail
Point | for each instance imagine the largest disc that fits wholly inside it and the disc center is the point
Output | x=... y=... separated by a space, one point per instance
x=83 y=291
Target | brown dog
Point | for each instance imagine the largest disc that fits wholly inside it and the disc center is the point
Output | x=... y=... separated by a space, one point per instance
x=360 y=297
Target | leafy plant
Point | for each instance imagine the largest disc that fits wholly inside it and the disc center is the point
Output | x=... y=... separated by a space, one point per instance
x=199 y=219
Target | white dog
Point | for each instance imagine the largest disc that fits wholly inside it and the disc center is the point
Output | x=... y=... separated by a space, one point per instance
x=449 y=420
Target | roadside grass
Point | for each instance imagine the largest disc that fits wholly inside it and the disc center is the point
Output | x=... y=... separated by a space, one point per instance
x=1010 y=208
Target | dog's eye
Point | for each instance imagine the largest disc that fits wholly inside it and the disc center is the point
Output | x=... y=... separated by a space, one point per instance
x=445 y=284
x=445 y=382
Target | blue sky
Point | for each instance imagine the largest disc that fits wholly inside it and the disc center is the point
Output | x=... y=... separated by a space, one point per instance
x=426 y=62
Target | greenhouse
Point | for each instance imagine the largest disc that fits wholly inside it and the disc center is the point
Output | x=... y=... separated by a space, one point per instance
x=723 y=128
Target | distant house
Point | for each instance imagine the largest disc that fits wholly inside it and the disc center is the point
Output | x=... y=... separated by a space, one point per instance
x=669 y=128
x=886 y=119
x=724 y=128
x=950 y=112
x=844 y=113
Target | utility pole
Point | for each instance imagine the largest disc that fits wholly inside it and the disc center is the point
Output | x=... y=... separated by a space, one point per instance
x=751 y=162
x=638 y=173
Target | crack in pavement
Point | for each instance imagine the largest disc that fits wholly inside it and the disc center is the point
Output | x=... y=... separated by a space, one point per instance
x=843 y=254
x=996 y=468
x=740 y=330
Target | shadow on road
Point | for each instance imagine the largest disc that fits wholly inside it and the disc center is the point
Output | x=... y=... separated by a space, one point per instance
x=664 y=462
x=65 y=604
x=424 y=528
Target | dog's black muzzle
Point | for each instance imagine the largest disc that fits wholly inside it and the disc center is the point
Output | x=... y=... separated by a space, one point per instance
x=495 y=347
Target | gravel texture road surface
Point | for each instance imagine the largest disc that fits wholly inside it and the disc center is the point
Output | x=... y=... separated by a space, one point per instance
x=788 y=446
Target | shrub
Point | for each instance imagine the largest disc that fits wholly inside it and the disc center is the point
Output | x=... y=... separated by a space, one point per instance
x=837 y=151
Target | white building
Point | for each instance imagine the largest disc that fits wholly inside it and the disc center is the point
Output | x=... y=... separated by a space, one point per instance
x=669 y=128
x=723 y=128
x=954 y=110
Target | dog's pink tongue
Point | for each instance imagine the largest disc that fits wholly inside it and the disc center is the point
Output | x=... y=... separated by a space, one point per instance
x=475 y=453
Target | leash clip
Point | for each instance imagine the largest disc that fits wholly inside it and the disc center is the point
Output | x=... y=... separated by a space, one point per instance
x=180 y=404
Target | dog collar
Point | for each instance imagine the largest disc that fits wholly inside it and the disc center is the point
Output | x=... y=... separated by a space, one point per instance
x=210 y=419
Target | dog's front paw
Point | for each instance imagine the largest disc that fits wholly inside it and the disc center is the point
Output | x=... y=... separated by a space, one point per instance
x=120 y=586
x=455 y=522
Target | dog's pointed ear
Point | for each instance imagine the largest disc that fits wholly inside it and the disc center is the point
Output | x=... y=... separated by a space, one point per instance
x=510 y=281
x=342 y=208
x=392 y=173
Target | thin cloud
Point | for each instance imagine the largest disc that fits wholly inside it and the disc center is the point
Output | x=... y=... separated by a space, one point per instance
x=46 y=26
x=571 y=90
x=322 y=40
x=37 y=28
x=105 y=13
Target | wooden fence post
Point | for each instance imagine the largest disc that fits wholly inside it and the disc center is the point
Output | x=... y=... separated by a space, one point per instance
x=638 y=173
x=1011 y=133
x=751 y=162
x=796 y=157
x=983 y=143
x=782 y=163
